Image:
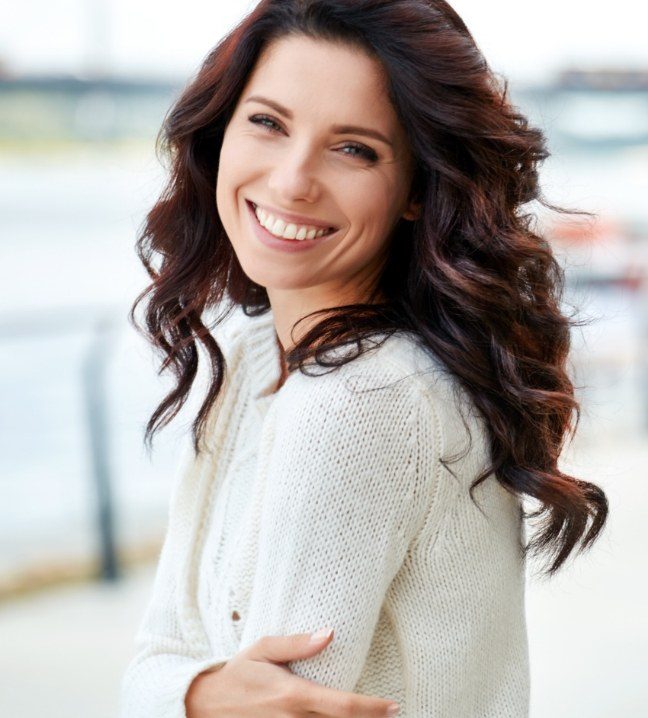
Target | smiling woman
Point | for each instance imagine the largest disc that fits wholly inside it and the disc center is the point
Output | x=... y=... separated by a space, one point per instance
x=347 y=189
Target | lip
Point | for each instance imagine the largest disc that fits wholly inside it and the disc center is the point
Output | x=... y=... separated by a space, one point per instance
x=291 y=218
x=285 y=245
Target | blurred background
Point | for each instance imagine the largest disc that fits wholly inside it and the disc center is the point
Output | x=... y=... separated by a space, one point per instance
x=84 y=86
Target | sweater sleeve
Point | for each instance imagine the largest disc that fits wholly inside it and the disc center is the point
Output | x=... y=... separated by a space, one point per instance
x=167 y=658
x=348 y=483
x=169 y=654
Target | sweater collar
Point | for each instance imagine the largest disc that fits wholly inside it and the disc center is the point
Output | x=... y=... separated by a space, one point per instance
x=264 y=356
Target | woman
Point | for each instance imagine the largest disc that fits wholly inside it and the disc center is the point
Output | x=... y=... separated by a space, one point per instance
x=389 y=382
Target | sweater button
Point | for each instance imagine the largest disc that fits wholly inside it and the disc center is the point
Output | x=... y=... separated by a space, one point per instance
x=235 y=616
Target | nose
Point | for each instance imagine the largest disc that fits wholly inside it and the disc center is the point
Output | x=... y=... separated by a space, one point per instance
x=294 y=177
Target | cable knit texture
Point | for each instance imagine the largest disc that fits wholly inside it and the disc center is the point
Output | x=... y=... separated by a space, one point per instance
x=326 y=503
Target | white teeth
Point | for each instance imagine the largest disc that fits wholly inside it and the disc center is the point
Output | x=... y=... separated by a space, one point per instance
x=277 y=228
x=291 y=231
x=281 y=229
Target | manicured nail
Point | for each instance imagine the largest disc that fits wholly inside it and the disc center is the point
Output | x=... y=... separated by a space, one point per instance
x=320 y=635
x=392 y=710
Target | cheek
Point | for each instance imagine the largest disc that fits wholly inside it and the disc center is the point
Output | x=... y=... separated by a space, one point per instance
x=234 y=169
x=369 y=203
x=373 y=185
x=239 y=154
x=231 y=161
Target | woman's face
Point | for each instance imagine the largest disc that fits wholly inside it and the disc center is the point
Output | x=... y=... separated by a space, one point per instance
x=313 y=160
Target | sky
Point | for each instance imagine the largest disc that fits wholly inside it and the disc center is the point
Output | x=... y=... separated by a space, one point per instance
x=527 y=42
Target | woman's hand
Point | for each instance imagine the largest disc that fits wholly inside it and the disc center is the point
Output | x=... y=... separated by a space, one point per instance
x=254 y=684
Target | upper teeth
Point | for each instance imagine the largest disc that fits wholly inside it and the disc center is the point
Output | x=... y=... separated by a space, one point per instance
x=279 y=228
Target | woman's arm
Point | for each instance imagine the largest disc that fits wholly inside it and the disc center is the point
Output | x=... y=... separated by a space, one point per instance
x=157 y=679
x=168 y=657
x=348 y=481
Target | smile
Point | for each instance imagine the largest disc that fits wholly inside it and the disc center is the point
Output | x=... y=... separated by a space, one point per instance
x=279 y=235
x=288 y=230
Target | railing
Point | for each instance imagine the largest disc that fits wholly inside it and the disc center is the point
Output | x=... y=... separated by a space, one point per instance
x=103 y=323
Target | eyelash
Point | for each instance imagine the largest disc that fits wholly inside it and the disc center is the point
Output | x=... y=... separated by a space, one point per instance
x=364 y=152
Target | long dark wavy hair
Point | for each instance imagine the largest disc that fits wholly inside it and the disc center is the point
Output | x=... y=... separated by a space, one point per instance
x=472 y=277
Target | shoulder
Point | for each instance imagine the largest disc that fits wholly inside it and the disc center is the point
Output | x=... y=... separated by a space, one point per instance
x=393 y=382
x=397 y=363
x=399 y=390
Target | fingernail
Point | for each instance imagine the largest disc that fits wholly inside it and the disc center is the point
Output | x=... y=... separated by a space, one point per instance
x=320 y=635
x=393 y=710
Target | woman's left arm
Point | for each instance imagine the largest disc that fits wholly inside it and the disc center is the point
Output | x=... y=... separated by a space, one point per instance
x=349 y=477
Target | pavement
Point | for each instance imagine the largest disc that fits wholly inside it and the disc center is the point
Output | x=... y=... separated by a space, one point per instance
x=64 y=649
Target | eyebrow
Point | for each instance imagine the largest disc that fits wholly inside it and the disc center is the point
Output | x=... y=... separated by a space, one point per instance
x=338 y=129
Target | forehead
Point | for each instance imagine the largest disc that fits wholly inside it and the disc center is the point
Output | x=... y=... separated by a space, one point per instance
x=330 y=80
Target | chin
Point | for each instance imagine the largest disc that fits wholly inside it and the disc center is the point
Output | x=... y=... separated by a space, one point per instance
x=264 y=278
x=282 y=284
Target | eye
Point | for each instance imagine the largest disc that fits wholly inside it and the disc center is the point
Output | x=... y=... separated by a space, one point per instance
x=261 y=119
x=363 y=152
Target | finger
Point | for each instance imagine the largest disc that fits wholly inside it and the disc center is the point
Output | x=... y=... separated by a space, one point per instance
x=333 y=703
x=281 y=649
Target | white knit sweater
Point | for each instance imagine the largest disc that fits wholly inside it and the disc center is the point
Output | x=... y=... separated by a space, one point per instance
x=326 y=504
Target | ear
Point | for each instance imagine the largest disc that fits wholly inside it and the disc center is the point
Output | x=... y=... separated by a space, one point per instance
x=413 y=210
x=414 y=205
